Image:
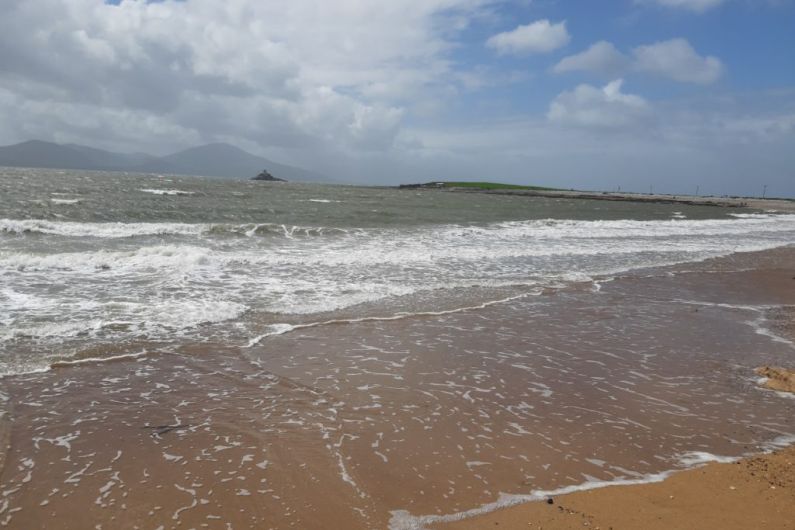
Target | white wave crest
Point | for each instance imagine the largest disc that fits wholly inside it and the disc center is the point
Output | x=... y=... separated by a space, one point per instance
x=301 y=270
x=127 y=230
x=100 y=230
x=167 y=192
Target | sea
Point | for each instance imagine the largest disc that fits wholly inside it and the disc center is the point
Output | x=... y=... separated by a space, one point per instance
x=93 y=258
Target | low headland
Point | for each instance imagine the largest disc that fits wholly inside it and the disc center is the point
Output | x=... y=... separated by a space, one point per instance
x=497 y=188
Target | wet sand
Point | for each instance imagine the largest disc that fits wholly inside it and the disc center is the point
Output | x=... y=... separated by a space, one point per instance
x=757 y=492
x=411 y=421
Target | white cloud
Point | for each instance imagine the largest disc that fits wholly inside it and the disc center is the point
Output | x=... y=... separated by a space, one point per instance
x=605 y=107
x=697 y=6
x=677 y=60
x=601 y=58
x=537 y=37
x=287 y=74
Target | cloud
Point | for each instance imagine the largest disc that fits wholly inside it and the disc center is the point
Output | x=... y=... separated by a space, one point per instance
x=677 y=60
x=285 y=75
x=379 y=91
x=601 y=58
x=697 y=6
x=605 y=107
x=537 y=37
x=674 y=145
x=673 y=59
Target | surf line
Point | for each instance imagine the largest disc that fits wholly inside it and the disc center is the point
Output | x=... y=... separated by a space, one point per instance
x=287 y=328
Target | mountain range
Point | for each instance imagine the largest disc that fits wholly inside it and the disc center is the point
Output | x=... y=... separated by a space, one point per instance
x=211 y=160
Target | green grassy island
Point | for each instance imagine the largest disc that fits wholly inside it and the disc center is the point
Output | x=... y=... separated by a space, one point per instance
x=476 y=185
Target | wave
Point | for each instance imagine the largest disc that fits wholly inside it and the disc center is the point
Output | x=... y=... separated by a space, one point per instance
x=94 y=360
x=167 y=192
x=538 y=228
x=624 y=228
x=479 y=259
x=152 y=318
x=274 y=229
x=98 y=230
x=281 y=329
x=117 y=230
x=204 y=276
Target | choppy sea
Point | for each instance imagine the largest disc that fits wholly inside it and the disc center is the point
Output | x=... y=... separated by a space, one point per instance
x=91 y=261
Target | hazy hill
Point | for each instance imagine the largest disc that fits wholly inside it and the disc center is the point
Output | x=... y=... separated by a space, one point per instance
x=224 y=160
x=35 y=153
x=212 y=160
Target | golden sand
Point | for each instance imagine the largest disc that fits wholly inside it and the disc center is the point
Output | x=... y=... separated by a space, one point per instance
x=757 y=492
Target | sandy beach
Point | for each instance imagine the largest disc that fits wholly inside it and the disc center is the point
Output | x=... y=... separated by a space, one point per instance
x=404 y=423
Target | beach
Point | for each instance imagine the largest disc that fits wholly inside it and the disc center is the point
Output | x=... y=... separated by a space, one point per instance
x=340 y=426
x=163 y=369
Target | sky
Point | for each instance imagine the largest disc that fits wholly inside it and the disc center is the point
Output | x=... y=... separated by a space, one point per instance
x=669 y=95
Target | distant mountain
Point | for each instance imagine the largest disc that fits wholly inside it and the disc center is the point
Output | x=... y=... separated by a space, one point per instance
x=212 y=160
x=224 y=160
x=35 y=153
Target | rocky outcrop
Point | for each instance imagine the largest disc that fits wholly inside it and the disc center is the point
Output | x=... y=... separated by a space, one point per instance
x=264 y=175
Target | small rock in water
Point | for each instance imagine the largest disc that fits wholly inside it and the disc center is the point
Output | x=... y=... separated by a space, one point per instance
x=550 y=501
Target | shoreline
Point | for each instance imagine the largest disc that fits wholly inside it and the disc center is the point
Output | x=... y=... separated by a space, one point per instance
x=320 y=428
x=752 y=492
x=732 y=493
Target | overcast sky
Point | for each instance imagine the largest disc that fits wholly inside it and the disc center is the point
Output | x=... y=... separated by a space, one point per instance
x=579 y=93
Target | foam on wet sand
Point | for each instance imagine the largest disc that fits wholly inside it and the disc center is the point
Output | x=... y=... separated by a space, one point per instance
x=756 y=492
x=407 y=421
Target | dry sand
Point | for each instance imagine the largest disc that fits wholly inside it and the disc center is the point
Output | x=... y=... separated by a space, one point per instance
x=757 y=492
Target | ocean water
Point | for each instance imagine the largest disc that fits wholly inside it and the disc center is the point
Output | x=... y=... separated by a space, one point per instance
x=101 y=264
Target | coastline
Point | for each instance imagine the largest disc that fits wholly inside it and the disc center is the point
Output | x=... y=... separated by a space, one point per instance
x=779 y=205
x=755 y=492
x=316 y=427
